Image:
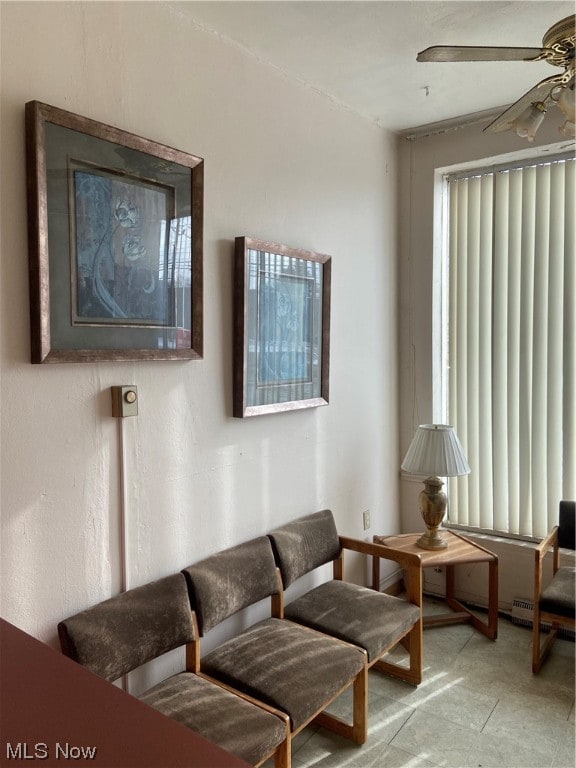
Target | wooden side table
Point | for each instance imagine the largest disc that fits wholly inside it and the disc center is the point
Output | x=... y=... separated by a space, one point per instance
x=460 y=551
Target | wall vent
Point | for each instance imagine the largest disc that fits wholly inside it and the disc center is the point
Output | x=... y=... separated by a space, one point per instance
x=523 y=613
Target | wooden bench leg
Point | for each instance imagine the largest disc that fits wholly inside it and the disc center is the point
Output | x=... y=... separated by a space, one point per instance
x=358 y=731
x=283 y=755
x=412 y=674
x=360 y=708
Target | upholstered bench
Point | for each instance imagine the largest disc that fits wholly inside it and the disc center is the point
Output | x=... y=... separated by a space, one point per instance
x=120 y=634
x=290 y=667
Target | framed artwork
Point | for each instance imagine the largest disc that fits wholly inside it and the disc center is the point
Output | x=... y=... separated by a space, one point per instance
x=281 y=328
x=115 y=240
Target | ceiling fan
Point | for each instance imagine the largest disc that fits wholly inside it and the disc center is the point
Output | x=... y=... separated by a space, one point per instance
x=526 y=114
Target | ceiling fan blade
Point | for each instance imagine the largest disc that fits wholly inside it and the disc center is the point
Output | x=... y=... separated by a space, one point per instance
x=540 y=92
x=477 y=53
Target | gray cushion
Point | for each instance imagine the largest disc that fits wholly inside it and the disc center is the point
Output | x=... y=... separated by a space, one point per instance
x=231 y=580
x=359 y=615
x=120 y=634
x=305 y=544
x=218 y=715
x=559 y=595
x=285 y=665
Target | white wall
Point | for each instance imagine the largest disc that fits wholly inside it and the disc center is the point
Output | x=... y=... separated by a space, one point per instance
x=419 y=158
x=281 y=163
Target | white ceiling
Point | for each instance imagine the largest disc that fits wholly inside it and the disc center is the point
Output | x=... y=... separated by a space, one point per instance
x=362 y=53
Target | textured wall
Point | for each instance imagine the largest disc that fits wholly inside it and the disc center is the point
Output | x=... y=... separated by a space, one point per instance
x=281 y=163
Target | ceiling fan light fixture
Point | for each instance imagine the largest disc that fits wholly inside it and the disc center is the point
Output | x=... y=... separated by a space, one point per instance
x=568 y=129
x=564 y=98
x=566 y=102
x=558 y=45
x=530 y=120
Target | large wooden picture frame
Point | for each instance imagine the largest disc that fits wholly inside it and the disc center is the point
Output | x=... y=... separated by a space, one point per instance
x=115 y=241
x=281 y=328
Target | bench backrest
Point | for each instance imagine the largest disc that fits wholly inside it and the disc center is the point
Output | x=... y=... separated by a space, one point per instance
x=231 y=580
x=124 y=632
x=305 y=544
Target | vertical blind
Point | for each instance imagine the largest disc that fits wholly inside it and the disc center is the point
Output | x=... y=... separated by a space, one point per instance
x=512 y=342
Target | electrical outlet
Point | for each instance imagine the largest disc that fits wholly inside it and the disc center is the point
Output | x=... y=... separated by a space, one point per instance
x=366 y=519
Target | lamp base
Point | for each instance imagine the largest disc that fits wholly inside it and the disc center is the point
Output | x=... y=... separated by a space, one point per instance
x=431 y=540
x=432 y=507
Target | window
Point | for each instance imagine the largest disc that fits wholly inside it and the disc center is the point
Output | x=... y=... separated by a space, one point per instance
x=510 y=369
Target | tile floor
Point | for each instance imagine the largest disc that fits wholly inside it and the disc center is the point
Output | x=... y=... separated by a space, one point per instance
x=478 y=706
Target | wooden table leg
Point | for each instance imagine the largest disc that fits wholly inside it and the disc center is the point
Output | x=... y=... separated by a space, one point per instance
x=493 y=599
x=457 y=615
x=376 y=573
x=462 y=614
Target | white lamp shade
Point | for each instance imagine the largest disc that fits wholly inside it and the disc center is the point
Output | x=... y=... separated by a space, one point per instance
x=435 y=450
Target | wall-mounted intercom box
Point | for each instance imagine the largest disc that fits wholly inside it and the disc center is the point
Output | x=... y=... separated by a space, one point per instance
x=125 y=401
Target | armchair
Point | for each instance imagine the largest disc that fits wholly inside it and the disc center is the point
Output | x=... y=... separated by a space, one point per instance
x=555 y=602
x=359 y=615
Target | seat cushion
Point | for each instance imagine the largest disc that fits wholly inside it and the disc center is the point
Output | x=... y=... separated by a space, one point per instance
x=221 y=717
x=359 y=615
x=288 y=666
x=558 y=597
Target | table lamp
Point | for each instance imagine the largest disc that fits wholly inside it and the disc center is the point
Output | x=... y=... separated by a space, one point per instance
x=434 y=451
